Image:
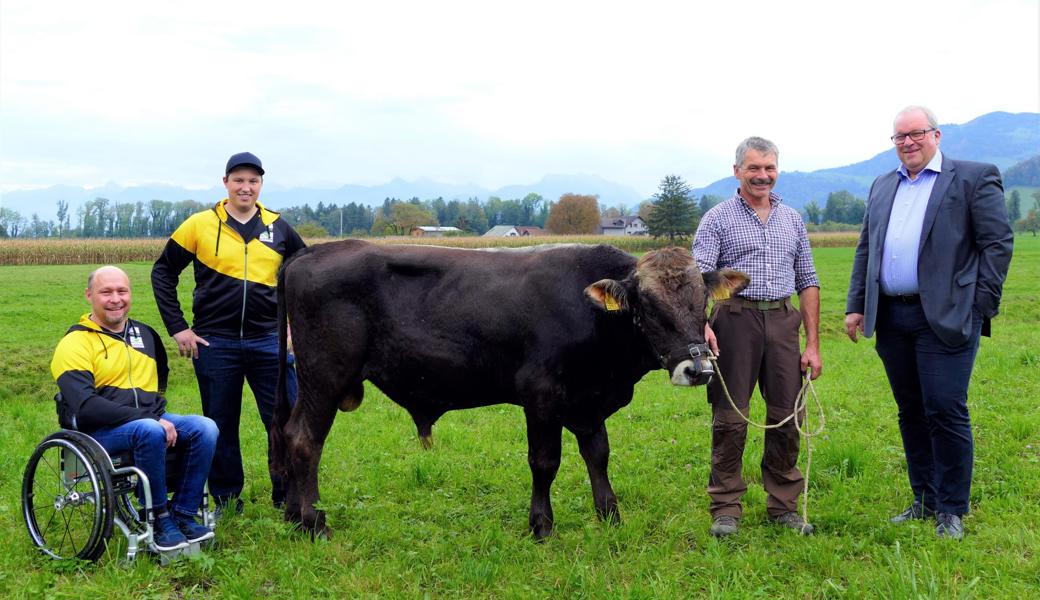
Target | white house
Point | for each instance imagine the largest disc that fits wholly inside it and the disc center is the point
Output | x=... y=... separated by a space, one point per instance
x=625 y=225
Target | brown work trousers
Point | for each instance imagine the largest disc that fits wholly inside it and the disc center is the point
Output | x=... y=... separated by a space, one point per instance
x=755 y=347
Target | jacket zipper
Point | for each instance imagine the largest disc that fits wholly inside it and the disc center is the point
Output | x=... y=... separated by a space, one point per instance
x=245 y=284
x=130 y=364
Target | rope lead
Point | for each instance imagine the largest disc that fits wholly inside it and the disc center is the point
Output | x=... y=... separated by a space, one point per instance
x=802 y=427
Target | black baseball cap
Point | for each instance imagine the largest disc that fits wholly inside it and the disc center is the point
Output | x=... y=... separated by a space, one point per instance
x=243 y=159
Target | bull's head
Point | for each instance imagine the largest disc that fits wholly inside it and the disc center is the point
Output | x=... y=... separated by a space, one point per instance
x=667 y=297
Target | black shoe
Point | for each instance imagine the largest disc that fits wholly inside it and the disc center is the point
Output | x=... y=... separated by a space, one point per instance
x=232 y=505
x=723 y=525
x=793 y=520
x=915 y=511
x=949 y=525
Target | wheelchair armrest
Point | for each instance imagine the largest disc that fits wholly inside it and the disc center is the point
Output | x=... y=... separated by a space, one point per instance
x=65 y=420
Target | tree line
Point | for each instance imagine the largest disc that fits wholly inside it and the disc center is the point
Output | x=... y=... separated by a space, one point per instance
x=673 y=212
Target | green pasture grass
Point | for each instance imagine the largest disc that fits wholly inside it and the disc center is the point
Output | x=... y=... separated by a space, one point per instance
x=451 y=522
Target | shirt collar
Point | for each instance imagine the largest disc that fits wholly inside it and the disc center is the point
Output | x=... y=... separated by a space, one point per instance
x=934 y=165
x=774 y=199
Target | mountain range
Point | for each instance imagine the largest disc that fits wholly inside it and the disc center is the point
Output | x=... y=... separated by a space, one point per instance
x=1000 y=138
x=44 y=201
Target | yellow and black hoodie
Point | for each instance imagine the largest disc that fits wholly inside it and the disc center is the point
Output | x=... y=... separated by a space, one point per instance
x=235 y=275
x=107 y=379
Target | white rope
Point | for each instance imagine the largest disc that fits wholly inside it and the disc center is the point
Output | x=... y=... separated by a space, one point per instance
x=801 y=400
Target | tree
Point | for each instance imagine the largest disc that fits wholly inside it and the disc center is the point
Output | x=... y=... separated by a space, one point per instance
x=1014 y=207
x=574 y=214
x=645 y=208
x=675 y=213
x=1031 y=223
x=843 y=207
x=812 y=210
x=405 y=215
x=311 y=229
x=529 y=208
x=10 y=222
x=63 y=218
x=707 y=202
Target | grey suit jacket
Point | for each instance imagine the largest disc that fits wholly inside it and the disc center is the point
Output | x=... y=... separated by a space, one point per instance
x=965 y=249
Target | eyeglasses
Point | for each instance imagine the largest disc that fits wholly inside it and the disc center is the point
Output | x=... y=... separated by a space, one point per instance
x=915 y=136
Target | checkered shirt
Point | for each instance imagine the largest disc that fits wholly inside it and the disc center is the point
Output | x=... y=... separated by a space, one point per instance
x=776 y=255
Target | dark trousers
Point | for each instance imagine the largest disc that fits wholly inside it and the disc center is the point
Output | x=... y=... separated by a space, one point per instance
x=221 y=369
x=756 y=347
x=929 y=381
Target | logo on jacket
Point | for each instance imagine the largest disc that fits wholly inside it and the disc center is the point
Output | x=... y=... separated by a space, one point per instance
x=268 y=235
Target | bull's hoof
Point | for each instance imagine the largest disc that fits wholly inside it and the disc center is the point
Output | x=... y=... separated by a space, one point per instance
x=541 y=528
x=292 y=514
x=320 y=530
x=610 y=515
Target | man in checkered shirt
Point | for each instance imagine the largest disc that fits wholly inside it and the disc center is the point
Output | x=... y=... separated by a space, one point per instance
x=758 y=334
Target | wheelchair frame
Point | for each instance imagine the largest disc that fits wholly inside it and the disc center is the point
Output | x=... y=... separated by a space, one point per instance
x=72 y=515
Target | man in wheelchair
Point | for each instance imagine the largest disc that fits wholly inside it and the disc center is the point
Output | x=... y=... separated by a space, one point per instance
x=112 y=374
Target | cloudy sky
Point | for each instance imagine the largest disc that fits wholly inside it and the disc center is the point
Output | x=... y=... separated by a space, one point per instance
x=486 y=92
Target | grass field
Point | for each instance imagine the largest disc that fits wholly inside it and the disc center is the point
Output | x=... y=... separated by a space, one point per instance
x=451 y=522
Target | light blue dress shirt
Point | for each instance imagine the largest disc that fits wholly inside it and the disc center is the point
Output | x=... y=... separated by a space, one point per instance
x=903 y=238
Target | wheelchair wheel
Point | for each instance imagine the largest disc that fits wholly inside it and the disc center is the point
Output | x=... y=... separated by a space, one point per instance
x=67 y=499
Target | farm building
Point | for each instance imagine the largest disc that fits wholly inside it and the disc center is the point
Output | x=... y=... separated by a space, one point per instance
x=625 y=225
x=514 y=231
x=430 y=231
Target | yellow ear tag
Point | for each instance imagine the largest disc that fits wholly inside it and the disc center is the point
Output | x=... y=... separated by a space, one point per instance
x=611 y=303
x=721 y=293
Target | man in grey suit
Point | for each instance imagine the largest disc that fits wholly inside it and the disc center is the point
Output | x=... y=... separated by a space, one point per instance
x=927 y=276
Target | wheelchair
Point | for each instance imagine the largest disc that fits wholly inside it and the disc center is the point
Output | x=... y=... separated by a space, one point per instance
x=74 y=494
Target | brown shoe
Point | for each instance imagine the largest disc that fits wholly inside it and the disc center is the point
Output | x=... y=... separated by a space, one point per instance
x=723 y=525
x=793 y=520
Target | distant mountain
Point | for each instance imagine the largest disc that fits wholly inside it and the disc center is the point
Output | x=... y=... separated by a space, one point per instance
x=44 y=201
x=1001 y=138
x=1025 y=173
x=554 y=186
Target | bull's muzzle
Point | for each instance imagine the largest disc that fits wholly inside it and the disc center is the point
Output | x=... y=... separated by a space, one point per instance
x=696 y=368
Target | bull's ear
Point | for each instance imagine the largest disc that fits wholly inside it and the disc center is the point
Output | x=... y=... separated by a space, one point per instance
x=724 y=283
x=608 y=295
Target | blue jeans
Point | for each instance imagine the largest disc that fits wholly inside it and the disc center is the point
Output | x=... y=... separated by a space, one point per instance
x=146 y=439
x=929 y=381
x=221 y=369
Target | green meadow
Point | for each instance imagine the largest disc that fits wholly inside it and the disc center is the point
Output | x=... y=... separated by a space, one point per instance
x=451 y=522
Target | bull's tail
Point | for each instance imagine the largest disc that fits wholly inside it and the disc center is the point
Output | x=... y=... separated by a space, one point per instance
x=282 y=407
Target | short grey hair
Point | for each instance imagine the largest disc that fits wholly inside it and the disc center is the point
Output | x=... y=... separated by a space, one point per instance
x=755 y=143
x=932 y=121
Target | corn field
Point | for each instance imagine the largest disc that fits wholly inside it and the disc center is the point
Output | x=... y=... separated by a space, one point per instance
x=93 y=251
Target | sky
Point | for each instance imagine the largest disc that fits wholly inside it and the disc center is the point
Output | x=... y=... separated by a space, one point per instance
x=485 y=92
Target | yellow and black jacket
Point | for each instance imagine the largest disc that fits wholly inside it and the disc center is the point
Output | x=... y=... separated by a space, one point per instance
x=107 y=379
x=235 y=277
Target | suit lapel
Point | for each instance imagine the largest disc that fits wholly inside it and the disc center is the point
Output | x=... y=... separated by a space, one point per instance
x=886 y=194
x=936 y=199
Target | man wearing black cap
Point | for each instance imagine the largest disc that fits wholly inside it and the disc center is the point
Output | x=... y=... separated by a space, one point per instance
x=236 y=248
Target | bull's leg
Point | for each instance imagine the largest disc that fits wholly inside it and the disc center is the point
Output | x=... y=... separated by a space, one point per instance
x=595 y=449
x=305 y=435
x=543 y=455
